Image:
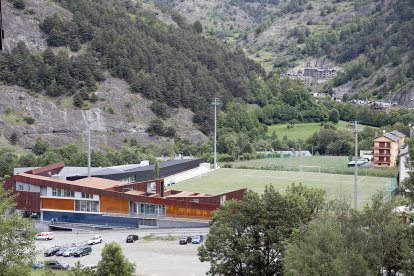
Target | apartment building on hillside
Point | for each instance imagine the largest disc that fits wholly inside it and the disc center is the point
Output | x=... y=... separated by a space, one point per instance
x=386 y=148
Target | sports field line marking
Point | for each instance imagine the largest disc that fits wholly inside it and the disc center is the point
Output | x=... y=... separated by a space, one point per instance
x=301 y=178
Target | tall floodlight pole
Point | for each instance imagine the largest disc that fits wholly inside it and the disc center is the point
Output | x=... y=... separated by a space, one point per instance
x=215 y=102
x=89 y=146
x=356 y=166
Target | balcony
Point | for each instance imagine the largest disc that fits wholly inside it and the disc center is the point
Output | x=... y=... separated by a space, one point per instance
x=376 y=147
x=382 y=154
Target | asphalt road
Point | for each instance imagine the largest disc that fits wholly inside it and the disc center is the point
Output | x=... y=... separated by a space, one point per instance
x=155 y=258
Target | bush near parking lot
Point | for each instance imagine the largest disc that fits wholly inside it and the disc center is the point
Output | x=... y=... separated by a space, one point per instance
x=113 y=262
x=159 y=238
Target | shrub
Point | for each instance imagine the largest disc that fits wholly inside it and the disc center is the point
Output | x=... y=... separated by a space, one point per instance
x=29 y=120
x=19 y=4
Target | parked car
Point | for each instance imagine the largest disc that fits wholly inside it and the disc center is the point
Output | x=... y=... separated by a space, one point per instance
x=56 y=264
x=95 y=239
x=38 y=265
x=51 y=251
x=61 y=251
x=198 y=239
x=82 y=251
x=132 y=238
x=46 y=236
x=185 y=240
x=82 y=243
x=69 y=252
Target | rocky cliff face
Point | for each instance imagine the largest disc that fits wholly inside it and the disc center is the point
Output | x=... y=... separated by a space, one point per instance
x=118 y=114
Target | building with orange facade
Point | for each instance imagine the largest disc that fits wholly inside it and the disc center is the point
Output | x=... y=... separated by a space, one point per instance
x=101 y=201
x=386 y=148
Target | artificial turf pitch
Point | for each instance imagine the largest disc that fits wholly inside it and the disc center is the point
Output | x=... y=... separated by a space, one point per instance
x=335 y=185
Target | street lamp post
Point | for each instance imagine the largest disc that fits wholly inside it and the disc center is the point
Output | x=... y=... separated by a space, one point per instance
x=215 y=102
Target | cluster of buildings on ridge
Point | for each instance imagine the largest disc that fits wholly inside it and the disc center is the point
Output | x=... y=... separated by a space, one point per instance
x=311 y=75
x=121 y=196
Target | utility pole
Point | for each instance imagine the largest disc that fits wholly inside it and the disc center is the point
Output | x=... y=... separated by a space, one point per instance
x=356 y=166
x=215 y=102
x=1 y=29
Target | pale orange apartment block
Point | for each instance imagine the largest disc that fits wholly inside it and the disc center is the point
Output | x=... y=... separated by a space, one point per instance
x=386 y=148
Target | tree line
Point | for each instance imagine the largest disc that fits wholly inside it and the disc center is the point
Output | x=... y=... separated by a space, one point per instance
x=300 y=233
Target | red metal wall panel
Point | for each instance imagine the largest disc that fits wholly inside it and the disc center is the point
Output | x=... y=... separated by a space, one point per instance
x=178 y=206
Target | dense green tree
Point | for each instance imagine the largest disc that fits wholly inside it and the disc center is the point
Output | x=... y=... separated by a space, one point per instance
x=248 y=237
x=40 y=146
x=8 y=161
x=113 y=262
x=341 y=241
x=17 y=250
x=198 y=27
x=334 y=116
x=14 y=138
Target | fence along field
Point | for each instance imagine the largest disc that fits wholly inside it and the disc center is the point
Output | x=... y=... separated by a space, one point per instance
x=322 y=164
x=335 y=185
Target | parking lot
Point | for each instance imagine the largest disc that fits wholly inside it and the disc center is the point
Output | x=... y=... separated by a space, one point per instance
x=155 y=258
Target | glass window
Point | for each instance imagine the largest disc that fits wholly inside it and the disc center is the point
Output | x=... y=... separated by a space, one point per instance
x=86 y=206
x=20 y=187
x=86 y=195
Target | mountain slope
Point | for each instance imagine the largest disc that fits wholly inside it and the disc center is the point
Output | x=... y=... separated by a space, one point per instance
x=370 y=40
x=154 y=53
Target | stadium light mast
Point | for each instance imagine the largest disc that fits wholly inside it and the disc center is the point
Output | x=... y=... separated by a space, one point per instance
x=89 y=120
x=356 y=166
x=215 y=102
x=89 y=147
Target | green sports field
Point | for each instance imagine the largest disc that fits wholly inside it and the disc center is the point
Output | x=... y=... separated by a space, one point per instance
x=224 y=180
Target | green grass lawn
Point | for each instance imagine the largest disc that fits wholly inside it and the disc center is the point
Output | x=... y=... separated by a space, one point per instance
x=301 y=131
x=224 y=180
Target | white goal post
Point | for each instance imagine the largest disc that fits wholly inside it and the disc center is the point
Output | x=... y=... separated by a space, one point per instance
x=304 y=168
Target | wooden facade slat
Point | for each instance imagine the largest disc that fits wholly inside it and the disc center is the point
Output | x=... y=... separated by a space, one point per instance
x=58 y=204
x=177 y=207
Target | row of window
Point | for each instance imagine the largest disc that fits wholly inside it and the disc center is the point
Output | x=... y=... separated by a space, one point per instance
x=147 y=209
x=86 y=206
x=62 y=192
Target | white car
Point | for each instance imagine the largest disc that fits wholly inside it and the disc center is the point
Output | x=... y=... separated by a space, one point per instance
x=95 y=239
x=69 y=252
x=46 y=236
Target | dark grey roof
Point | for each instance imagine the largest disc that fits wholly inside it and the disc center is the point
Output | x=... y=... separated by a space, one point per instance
x=391 y=137
x=397 y=133
x=111 y=171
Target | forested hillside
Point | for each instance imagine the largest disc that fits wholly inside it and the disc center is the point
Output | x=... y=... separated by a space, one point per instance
x=370 y=40
x=173 y=65
x=123 y=62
